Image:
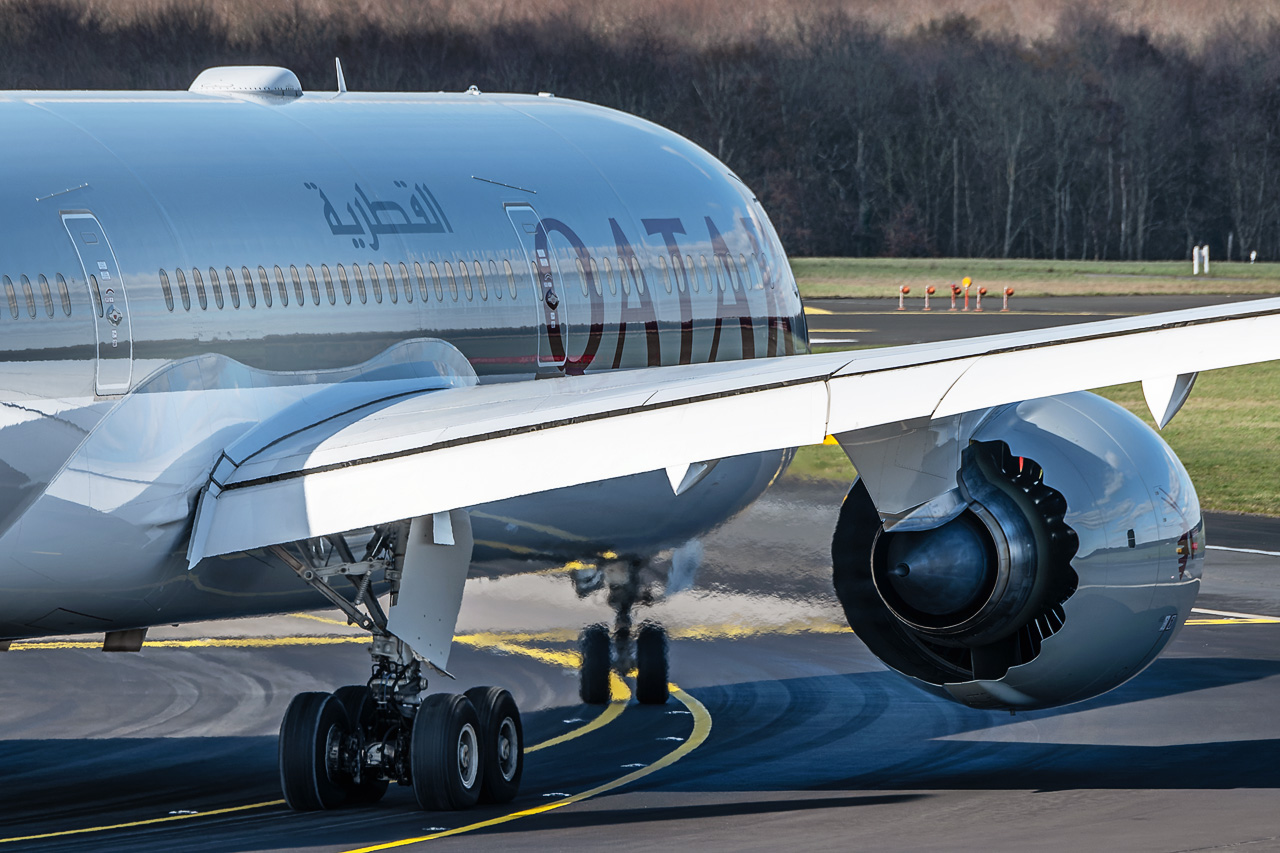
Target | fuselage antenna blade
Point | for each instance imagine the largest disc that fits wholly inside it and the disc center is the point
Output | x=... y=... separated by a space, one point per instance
x=342 y=81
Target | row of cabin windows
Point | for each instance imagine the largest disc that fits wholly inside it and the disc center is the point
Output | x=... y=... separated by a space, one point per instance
x=29 y=296
x=429 y=282
x=723 y=272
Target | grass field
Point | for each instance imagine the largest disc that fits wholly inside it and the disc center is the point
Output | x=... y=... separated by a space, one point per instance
x=850 y=277
x=1227 y=436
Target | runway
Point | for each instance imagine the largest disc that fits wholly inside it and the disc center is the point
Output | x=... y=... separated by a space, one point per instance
x=785 y=732
x=878 y=322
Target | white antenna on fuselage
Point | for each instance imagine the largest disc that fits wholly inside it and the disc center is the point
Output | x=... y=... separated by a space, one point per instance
x=342 y=81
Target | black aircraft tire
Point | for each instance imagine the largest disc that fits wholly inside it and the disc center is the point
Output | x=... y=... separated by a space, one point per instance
x=651 y=664
x=446 y=753
x=311 y=724
x=593 y=676
x=357 y=700
x=501 y=742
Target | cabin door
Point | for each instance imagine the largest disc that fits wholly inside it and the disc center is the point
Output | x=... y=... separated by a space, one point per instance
x=547 y=287
x=109 y=302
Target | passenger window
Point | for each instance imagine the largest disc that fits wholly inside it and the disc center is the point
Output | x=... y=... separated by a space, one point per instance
x=65 y=295
x=297 y=286
x=328 y=285
x=665 y=272
x=422 y=281
x=595 y=276
x=264 y=287
x=750 y=277
x=182 y=289
x=497 y=282
x=93 y=285
x=201 y=295
x=377 y=286
x=736 y=281
x=511 y=277
x=346 y=285
x=405 y=284
x=166 y=289
x=247 y=278
x=217 y=287
x=690 y=273
x=13 y=297
x=622 y=277
x=582 y=277
x=30 y=296
x=453 y=284
x=232 y=289
x=435 y=280
x=281 y=287
x=313 y=284
x=48 y=297
x=391 y=282
x=722 y=272
x=608 y=275
x=484 y=288
x=466 y=279
x=360 y=291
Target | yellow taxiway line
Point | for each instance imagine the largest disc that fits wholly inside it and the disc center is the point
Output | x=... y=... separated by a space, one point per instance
x=620 y=694
x=701 y=728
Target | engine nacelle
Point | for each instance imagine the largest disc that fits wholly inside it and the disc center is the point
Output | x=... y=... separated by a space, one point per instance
x=1077 y=559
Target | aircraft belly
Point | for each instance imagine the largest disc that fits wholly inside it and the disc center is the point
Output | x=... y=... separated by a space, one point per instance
x=630 y=516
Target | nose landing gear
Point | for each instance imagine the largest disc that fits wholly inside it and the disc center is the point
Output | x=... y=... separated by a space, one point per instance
x=603 y=653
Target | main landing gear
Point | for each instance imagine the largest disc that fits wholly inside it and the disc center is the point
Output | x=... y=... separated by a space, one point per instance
x=346 y=747
x=603 y=653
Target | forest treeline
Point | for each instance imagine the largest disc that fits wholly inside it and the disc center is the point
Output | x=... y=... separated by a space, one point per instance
x=1094 y=142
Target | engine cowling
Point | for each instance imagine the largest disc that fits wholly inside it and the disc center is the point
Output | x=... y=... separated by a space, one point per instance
x=1076 y=561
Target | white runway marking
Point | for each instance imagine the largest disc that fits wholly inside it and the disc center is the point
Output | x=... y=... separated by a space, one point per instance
x=1243 y=550
x=1227 y=614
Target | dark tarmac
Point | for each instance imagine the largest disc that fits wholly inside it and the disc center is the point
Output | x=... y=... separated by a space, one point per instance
x=788 y=733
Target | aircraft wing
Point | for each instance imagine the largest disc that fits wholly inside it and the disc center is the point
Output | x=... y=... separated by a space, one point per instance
x=438 y=450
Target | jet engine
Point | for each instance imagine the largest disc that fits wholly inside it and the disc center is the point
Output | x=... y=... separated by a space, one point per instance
x=1075 y=560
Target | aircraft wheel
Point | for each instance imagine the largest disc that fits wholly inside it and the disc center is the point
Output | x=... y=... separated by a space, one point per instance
x=651 y=664
x=311 y=736
x=357 y=700
x=593 y=677
x=446 y=754
x=501 y=742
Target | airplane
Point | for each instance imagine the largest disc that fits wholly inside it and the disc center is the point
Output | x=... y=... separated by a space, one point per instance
x=266 y=350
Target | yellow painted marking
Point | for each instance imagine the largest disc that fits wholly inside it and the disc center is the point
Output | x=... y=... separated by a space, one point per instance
x=619 y=692
x=816 y=311
x=1232 y=621
x=541 y=528
x=831 y=440
x=701 y=728
x=325 y=619
x=207 y=642
x=505 y=546
x=149 y=822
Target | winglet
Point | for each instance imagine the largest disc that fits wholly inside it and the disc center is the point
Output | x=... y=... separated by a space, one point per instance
x=342 y=81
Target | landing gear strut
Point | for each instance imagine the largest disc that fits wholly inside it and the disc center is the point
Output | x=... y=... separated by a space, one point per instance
x=348 y=746
x=603 y=653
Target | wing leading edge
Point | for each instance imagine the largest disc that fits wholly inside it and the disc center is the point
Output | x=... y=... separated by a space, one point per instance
x=440 y=450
